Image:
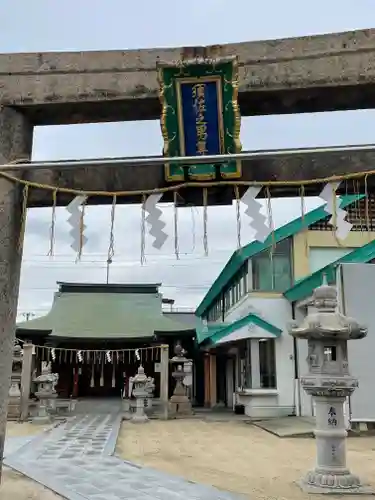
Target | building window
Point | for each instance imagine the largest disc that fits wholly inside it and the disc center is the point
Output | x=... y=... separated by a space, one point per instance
x=267 y=364
x=263 y=374
x=272 y=270
x=214 y=313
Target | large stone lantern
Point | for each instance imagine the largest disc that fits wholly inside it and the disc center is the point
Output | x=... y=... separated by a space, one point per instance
x=141 y=393
x=179 y=403
x=45 y=393
x=329 y=382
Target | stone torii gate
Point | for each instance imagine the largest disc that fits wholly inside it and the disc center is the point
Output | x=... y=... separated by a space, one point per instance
x=307 y=74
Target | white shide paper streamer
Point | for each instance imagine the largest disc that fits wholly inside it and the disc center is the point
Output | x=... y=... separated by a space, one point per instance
x=253 y=211
x=332 y=207
x=153 y=219
x=75 y=210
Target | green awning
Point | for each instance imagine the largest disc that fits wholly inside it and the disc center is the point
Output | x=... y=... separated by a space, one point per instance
x=224 y=331
x=104 y=316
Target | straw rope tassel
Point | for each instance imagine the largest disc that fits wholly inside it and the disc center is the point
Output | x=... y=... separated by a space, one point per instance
x=53 y=225
x=143 y=229
x=205 y=205
x=305 y=228
x=113 y=372
x=270 y=217
x=81 y=229
x=25 y=195
x=334 y=215
x=175 y=219
x=111 y=246
x=367 y=211
x=362 y=209
x=238 y=215
x=92 y=381
x=102 y=372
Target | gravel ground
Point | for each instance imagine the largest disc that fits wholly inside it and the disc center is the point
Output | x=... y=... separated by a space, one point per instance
x=235 y=456
x=15 y=486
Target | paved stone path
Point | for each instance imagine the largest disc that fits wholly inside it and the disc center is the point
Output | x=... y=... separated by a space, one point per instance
x=75 y=460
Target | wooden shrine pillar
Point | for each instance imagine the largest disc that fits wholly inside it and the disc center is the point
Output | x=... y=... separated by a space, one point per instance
x=210 y=392
x=213 y=391
x=206 y=380
x=164 y=379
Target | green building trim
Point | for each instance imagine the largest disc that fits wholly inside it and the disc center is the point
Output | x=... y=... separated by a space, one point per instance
x=223 y=330
x=240 y=256
x=304 y=287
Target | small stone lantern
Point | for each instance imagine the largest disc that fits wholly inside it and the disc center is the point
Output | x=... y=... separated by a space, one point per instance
x=140 y=390
x=45 y=393
x=179 y=404
x=329 y=383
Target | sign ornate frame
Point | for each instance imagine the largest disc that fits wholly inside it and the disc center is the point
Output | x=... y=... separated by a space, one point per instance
x=198 y=72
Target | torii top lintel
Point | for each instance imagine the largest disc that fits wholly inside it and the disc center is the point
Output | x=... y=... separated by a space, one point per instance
x=312 y=73
x=306 y=74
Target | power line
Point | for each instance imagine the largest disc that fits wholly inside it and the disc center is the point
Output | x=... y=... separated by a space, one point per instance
x=203 y=286
x=156 y=259
x=159 y=254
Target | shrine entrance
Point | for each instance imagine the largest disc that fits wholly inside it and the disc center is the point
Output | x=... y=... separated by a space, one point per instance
x=200 y=92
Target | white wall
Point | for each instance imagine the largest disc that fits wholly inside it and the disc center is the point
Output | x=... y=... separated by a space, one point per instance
x=357 y=294
x=321 y=256
x=277 y=311
x=305 y=401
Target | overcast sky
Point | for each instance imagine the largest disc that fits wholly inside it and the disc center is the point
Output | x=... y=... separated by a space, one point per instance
x=45 y=25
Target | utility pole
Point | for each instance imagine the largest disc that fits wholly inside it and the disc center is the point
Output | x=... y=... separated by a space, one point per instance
x=28 y=315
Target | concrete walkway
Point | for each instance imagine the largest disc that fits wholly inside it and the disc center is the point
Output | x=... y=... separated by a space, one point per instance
x=76 y=461
x=288 y=426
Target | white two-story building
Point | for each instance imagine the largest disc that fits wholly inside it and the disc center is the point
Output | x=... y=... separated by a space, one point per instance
x=250 y=358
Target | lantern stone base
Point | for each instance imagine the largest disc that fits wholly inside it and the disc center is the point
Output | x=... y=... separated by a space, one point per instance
x=14 y=410
x=180 y=405
x=139 y=419
x=316 y=482
x=41 y=420
x=126 y=409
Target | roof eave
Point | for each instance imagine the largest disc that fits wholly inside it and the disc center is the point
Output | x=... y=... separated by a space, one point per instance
x=232 y=327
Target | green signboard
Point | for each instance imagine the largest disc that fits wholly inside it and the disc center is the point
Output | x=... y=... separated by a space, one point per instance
x=200 y=116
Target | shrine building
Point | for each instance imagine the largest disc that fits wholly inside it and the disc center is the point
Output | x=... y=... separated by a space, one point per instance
x=96 y=335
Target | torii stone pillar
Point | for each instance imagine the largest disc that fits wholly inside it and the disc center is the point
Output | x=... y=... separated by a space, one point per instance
x=329 y=383
x=16 y=136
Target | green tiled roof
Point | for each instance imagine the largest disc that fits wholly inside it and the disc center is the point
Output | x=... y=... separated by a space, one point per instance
x=240 y=256
x=219 y=331
x=206 y=331
x=304 y=287
x=104 y=316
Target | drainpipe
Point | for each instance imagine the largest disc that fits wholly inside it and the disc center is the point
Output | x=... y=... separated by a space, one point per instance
x=296 y=369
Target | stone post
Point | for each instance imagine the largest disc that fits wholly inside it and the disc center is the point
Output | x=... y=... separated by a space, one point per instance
x=329 y=383
x=27 y=366
x=164 y=379
x=16 y=137
x=14 y=403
